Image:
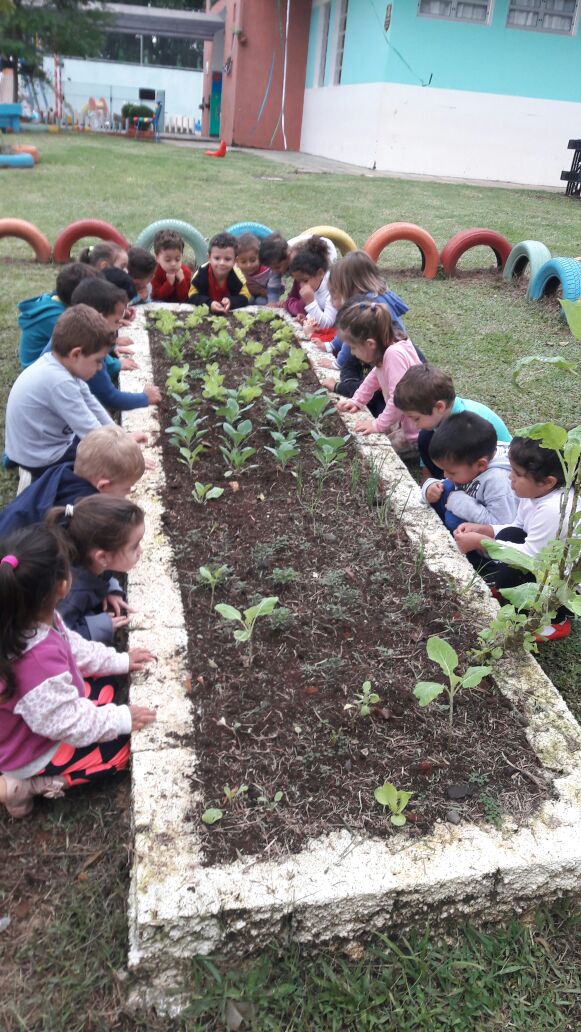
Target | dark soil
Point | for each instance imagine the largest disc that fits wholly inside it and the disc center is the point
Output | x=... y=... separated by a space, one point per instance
x=357 y=606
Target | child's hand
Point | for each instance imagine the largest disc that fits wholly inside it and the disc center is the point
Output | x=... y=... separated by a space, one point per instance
x=119 y=621
x=128 y=364
x=124 y=349
x=307 y=293
x=138 y=658
x=124 y=342
x=152 y=393
x=216 y=306
x=225 y=304
x=180 y=275
x=300 y=318
x=364 y=426
x=128 y=315
x=320 y=345
x=117 y=604
x=347 y=405
x=139 y=436
x=326 y=363
x=469 y=541
x=329 y=383
x=434 y=492
x=141 y=716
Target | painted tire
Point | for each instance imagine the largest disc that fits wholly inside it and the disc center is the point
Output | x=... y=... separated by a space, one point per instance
x=405 y=231
x=27 y=231
x=16 y=161
x=468 y=238
x=27 y=149
x=85 y=228
x=343 y=241
x=249 y=227
x=528 y=252
x=565 y=272
x=191 y=235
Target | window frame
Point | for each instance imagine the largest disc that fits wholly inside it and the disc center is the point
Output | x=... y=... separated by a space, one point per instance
x=542 y=10
x=339 y=43
x=458 y=19
x=324 y=36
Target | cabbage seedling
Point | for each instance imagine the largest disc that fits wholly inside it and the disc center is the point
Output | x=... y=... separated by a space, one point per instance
x=442 y=653
x=315 y=407
x=247 y=619
x=211 y=576
x=204 y=493
x=364 y=700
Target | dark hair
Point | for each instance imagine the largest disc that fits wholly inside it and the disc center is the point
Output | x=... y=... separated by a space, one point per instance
x=311 y=256
x=356 y=273
x=81 y=327
x=167 y=240
x=120 y=278
x=25 y=592
x=421 y=387
x=363 y=319
x=97 y=521
x=247 y=242
x=140 y=262
x=96 y=253
x=273 y=248
x=463 y=437
x=538 y=463
x=100 y=295
x=223 y=240
x=69 y=278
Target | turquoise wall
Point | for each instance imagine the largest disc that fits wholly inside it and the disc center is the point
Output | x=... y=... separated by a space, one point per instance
x=457 y=55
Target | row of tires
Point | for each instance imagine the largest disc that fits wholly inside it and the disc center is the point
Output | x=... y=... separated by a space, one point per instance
x=546 y=274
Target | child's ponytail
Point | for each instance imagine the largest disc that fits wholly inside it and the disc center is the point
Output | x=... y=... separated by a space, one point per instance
x=366 y=320
x=32 y=564
x=94 y=523
x=96 y=253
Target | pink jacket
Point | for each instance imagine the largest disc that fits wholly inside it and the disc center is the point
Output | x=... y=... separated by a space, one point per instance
x=398 y=358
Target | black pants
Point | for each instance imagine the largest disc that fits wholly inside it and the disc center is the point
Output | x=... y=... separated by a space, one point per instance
x=69 y=456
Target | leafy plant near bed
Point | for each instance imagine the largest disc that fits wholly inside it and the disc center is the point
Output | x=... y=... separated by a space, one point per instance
x=204 y=493
x=396 y=800
x=442 y=653
x=329 y=451
x=210 y=576
x=165 y=321
x=247 y=619
x=177 y=380
x=278 y=416
x=196 y=317
x=285 y=448
x=315 y=407
x=363 y=701
x=213 y=383
x=233 y=449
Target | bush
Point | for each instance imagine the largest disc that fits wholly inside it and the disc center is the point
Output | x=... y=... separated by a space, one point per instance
x=136 y=111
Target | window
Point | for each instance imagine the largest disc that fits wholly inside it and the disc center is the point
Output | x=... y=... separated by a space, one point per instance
x=325 y=15
x=341 y=28
x=456 y=10
x=543 y=15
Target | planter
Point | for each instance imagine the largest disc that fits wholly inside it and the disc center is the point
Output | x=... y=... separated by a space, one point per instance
x=345 y=884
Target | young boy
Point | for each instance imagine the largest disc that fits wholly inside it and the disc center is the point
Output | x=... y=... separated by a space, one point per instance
x=141 y=266
x=50 y=406
x=476 y=470
x=38 y=315
x=108 y=461
x=248 y=261
x=274 y=253
x=537 y=480
x=218 y=283
x=172 y=278
x=426 y=395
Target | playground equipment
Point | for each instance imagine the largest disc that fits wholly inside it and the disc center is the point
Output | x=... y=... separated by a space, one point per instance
x=468 y=238
x=85 y=228
x=10 y=115
x=16 y=161
x=23 y=230
x=219 y=153
x=191 y=235
x=394 y=231
x=238 y=228
x=527 y=252
x=342 y=240
x=27 y=149
x=557 y=272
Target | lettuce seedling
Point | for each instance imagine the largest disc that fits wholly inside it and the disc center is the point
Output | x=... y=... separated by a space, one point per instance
x=396 y=801
x=213 y=381
x=364 y=700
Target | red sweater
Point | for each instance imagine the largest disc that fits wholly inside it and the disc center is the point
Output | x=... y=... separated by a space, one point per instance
x=162 y=290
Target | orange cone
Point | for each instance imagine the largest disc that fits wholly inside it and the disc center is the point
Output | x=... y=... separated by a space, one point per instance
x=219 y=153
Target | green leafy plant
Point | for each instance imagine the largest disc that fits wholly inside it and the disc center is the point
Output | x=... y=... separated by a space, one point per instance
x=329 y=451
x=196 y=317
x=247 y=619
x=218 y=323
x=232 y=794
x=165 y=321
x=204 y=493
x=213 y=381
x=296 y=362
x=235 y=455
x=265 y=315
x=284 y=387
x=248 y=392
x=442 y=653
x=177 y=379
x=252 y=347
x=272 y=804
x=187 y=430
x=278 y=416
x=395 y=800
x=285 y=448
x=190 y=456
x=364 y=700
x=283 y=575
x=207 y=348
x=232 y=410
x=212 y=815
x=174 y=347
x=315 y=407
x=262 y=362
x=210 y=576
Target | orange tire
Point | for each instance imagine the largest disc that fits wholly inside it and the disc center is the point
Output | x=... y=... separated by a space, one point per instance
x=85 y=228
x=406 y=231
x=467 y=238
x=27 y=231
x=28 y=149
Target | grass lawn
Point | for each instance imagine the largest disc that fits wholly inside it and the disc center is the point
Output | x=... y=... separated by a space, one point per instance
x=62 y=887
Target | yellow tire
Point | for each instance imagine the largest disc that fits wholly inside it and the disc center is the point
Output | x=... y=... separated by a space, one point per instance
x=342 y=240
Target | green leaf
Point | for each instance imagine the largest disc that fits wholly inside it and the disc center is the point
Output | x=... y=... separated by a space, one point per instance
x=521 y=596
x=474 y=675
x=264 y=608
x=205 y=573
x=507 y=554
x=549 y=435
x=574 y=604
x=212 y=815
x=277 y=797
x=572 y=310
x=426 y=691
x=242 y=635
x=557 y=361
x=216 y=492
x=398 y=819
x=442 y=653
x=228 y=612
x=386 y=795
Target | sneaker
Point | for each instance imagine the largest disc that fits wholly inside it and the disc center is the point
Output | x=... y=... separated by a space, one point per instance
x=496 y=594
x=19 y=792
x=554 y=631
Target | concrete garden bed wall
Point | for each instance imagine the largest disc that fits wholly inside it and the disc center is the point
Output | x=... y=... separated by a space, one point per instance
x=341 y=888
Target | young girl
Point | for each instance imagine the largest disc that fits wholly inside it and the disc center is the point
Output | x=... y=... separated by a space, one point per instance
x=103 y=534
x=105 y=255
x=56 y=731
x=368 y=330
x=309 y=266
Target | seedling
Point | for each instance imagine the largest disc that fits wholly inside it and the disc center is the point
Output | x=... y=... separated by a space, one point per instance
x=165 y=321
x=210 y=576
x=329 y=451
x=212 y=815
x=232 y=410
x=364 y=700
x=278 y=416
x=204 y=493
x=248 y=392
x=218 y=323
x=284 y=387
x=283 y=575
x=263 y=361
x=213 y=383
x=188 y=430
x=232 y=794
x=395 y=799
x=235 y=456
x=315 y=407
x=442 y=653
x=270 y=803
x=196 y=317
x=252 y=347
x=208 y=347
x=176 y=381
x=248 y=618
x=265 y=315
x=285 y=448
x=190 y=456
x=174 y=348
x=296 y=362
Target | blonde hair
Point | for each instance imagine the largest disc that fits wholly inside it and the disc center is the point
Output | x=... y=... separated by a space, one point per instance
x=109 y=453
x=355 y=274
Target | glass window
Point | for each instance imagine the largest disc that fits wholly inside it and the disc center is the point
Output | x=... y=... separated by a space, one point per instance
x=456 y=10
x=325 y=22
x=543 y=15
x=341 y=29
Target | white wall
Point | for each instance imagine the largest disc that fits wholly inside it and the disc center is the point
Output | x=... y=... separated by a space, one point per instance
x=120 y=83
x=450 y=133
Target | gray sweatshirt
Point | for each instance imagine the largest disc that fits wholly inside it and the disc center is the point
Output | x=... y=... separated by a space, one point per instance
x=46 y=408
x=488 y=498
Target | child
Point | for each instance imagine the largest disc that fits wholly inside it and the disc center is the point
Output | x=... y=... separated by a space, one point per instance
x=274 y=253
x=309 y=267
x=108 y=461
x=426 y=395
x=102 y=256
x=218 y=283
x=248 y=261
x=477 y=485
x=367 y=328
x=141 y=266
x=38 y=315
x=50 y=406
x=537 y=480
x=103 y=534
x=171 y=279
x=56 y=731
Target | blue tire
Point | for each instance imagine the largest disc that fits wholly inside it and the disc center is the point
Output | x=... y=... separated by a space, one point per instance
x=16 y=161
x=191 y=235
x=249 y=227
x=527 y=252
x=565 y=272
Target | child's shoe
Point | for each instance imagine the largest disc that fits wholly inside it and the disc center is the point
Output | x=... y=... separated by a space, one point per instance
x=18 y=795
x=496 y=594
x=554 y=631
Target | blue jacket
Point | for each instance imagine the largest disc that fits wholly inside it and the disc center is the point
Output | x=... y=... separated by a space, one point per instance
x=82 y=609
x=37 y=319
x=58 y=486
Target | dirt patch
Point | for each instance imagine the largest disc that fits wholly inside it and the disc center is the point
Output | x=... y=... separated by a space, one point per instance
x=355 y=605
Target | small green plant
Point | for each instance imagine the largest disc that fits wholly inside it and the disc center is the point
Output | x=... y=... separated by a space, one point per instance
x=285 y=448
x=272 y=804
x=196 y=317
x=188 y=430
x=232 y=794
x=210 y=576
x=247 y=619
x=315 y=407
x=265 y=315
x=252 y=347
x=262 y=362
x=278 y=416
x=442 y=653
x=235 y=455
x=174 y=348
x=213 y=381
x=218 y=323
x=212 y=815
x=190 y=456
x=296 y=362
x=329 y=451
x=248 y=392
x=232 y=410
x=204 y=493
x=282 y=575
x=282 y=619
x=207 y=348
x=364 y=700
x=413 y=603
x=396 y=801
x=283 y=387
x=177 y=379
x=165 y=321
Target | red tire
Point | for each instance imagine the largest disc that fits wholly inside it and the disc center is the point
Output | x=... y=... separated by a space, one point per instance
x=467 y=238
x=27 y=231
x=84 y=228
x=405 y=231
